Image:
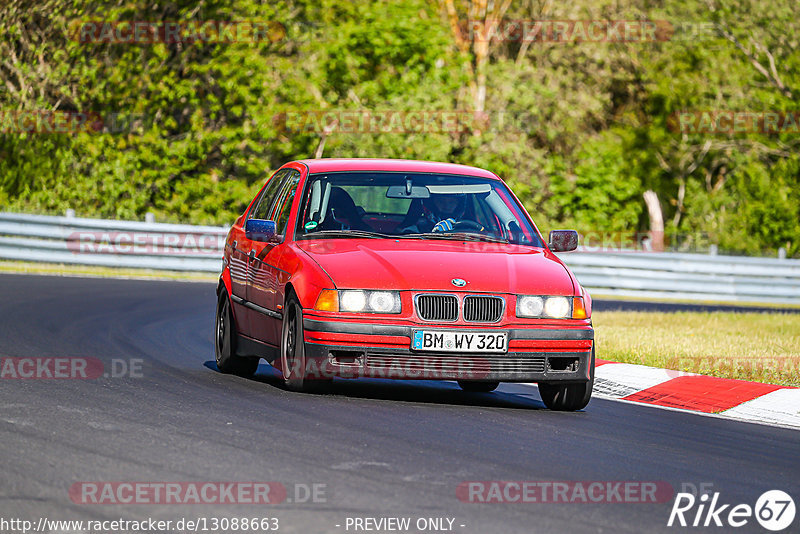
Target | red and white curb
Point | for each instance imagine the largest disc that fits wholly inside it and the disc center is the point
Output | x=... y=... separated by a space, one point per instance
x=735 y=399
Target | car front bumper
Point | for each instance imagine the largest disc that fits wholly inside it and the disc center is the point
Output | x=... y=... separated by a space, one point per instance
x=535 y=354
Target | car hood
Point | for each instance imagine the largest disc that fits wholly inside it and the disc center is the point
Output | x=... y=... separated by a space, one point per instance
x=431 y=265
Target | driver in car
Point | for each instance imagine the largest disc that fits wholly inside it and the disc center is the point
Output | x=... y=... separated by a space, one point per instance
x=446 y=210
x=441 y=213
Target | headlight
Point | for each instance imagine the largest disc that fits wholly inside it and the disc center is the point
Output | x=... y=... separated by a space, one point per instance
x=530 y=306
x=535 y=306
x=382 y=301
x=352 y=301
x=557 y=307
x=369 y=301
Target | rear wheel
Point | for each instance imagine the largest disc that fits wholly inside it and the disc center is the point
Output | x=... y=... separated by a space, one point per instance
x=568 y=397
x=478 y=387
x=294 y=364
x=225 y=342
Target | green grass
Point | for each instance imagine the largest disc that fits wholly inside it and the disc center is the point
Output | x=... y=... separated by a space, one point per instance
x=761 y=347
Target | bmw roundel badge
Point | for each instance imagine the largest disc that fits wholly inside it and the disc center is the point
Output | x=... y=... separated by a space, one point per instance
x=458 y=282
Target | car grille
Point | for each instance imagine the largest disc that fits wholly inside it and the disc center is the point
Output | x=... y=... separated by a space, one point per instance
x=480 y=309
x=445 y=308
x=437 y=307
x=454 y=365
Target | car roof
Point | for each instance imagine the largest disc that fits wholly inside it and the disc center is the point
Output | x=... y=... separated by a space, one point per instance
x=392 y=165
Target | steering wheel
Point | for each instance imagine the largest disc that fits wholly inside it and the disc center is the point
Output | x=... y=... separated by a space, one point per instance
x=462 y=226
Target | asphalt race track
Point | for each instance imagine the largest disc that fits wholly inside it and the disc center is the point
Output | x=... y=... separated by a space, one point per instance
x=380 y=448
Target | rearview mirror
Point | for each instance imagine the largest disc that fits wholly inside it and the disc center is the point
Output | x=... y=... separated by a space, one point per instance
x=563 y=240
x=260 y=230
x=399 y=191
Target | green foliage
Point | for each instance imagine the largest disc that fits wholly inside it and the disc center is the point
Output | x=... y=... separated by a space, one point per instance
x=579 y=130
x=602 y=185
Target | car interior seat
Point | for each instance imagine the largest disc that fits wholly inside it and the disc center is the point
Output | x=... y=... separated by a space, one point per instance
x=342 y=212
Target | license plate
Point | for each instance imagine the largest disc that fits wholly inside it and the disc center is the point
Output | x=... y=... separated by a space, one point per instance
x=437 y=340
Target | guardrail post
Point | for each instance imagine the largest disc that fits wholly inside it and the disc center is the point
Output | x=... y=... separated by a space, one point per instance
x=712 y=250
x=70 y=213
x=781 y=253
x=149 y=217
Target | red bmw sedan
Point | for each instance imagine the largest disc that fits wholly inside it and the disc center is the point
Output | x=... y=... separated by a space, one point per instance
x=403 y=270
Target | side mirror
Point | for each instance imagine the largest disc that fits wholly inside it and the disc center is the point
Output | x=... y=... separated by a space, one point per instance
x=260 y=230
x=563 y=240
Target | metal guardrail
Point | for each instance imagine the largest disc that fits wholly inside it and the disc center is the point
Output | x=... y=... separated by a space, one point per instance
x=109 y=243
x=177 y=247
x=689 y=277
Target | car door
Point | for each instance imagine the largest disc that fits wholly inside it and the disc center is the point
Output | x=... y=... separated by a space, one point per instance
x=262 y=286
x=238 y=264
x=243 y=249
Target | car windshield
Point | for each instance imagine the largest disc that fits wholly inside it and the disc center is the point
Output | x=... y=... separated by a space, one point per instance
x=413 y=206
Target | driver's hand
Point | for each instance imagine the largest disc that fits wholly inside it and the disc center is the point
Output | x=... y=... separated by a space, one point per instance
x=444 y=226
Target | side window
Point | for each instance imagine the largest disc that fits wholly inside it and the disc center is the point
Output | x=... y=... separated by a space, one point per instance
x=283 y=204
x=261 y=210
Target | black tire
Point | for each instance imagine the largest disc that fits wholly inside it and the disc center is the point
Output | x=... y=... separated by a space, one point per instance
x=225 y=335
x=477 y=387
x=294 y=365
x=568 y=397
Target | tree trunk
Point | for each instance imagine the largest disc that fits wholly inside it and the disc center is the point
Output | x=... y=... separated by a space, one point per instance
x=656 y=220
x=483 y=18
x=324 y=137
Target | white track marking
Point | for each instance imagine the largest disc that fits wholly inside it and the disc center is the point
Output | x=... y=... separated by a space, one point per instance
x=617 y=380
x=780 y=407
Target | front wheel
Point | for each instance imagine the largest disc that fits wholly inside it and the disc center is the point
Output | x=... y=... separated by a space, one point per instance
x=568 y=397
x=225 y=342
x=296 y=373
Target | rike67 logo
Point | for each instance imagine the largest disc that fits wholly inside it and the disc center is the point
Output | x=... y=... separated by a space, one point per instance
x=774 y=510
